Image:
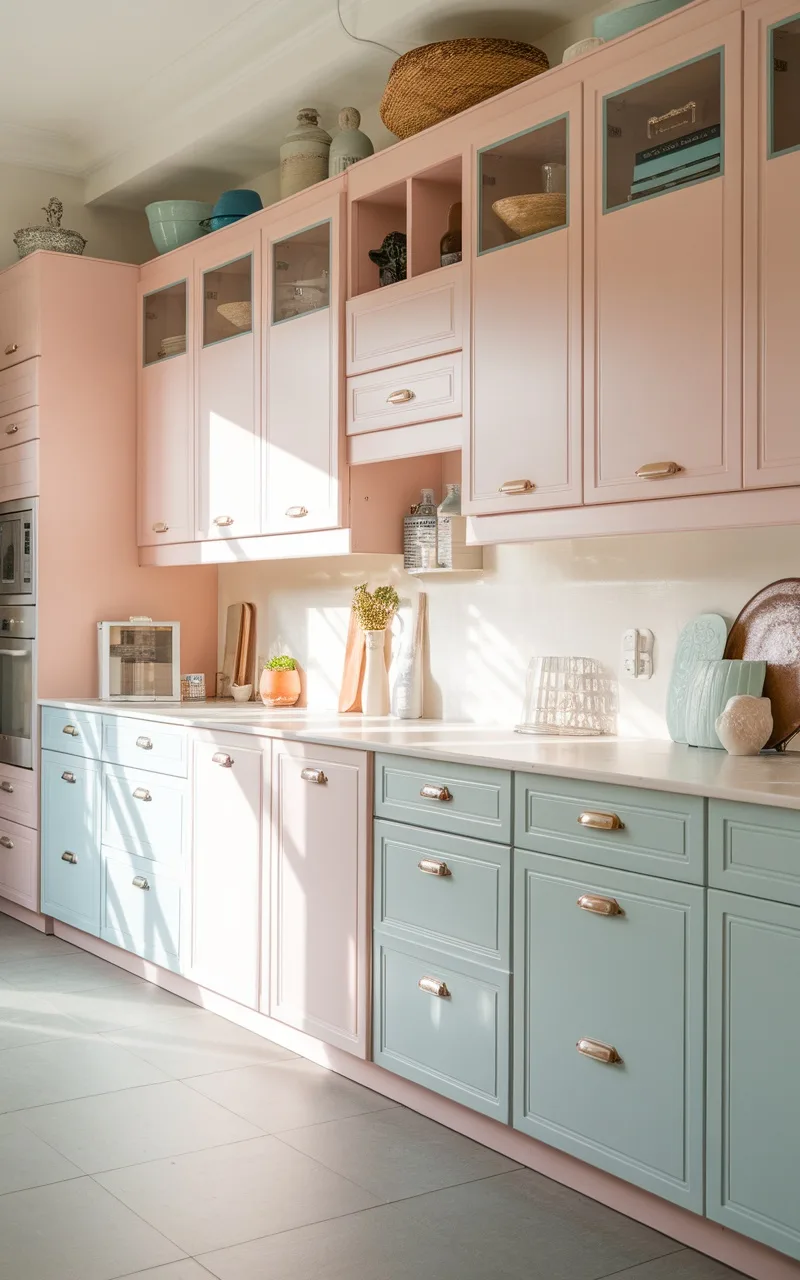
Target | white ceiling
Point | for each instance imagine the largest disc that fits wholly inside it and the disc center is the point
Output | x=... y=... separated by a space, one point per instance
x=155 y=98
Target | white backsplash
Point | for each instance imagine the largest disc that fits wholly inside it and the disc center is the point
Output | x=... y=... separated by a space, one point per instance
x=545 y=598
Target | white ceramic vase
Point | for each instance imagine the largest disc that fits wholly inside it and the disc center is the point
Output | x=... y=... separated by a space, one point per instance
x=304 y=154
x=349 y=144
x=745 y=725
x=375 y=690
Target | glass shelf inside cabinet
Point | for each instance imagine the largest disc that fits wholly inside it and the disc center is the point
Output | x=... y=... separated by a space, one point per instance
x=784 y=81
x=522 y=185
x=301 y=273
x=165 y=323
x=228 y=301
x=664 y=133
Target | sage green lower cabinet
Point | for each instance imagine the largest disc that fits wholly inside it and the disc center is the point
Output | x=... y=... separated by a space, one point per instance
x=71 y=840
x=608 y=1020
x=753 y=1110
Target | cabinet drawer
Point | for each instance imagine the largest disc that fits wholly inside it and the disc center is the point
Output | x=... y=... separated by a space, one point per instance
x=19 y=428
x=145 y=813
x=71 y=840
x=464 y=799
x=19 y=471
x=75 y=733
x=631 y=982
x=18 y=864
x=409 y=321
x=456 y=1042
x=161 y=748
x=18 y=795
x=448 y=891
x=754 y=849
x=19 y=387
x=659 y=833
x=141 y=908
x=430 y=389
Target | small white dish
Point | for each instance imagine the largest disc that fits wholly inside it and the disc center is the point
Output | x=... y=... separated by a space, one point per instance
x=242 y=692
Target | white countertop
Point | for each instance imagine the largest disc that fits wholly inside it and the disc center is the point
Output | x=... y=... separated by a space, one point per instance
x=772 y=779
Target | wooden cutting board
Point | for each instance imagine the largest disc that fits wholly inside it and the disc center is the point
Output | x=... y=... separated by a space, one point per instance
x=353 y=674
x=233 y=638
x=244 y=665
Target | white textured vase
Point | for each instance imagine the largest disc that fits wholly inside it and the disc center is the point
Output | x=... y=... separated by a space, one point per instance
x=349 y=144
x=304 y=154
x=745 y=725
x=375 y=690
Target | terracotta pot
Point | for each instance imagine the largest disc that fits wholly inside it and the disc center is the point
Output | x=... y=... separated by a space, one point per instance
x=279 y=688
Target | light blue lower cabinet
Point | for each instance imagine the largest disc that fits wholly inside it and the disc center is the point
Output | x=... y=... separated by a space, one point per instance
x=609 y=1020
x=753 y=1110
x=141 y=907
x=444 y=1023
x=71 y=840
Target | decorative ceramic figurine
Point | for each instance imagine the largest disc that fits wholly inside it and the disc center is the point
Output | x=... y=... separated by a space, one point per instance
x=350 y=144
x=390 y=259
x=745 y=725
x=304 y=154
x=53 y=237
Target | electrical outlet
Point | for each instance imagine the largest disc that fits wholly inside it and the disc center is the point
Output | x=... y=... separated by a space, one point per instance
x=637 y=653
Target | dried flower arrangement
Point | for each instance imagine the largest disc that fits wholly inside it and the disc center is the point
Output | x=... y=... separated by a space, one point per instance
x=374 y=610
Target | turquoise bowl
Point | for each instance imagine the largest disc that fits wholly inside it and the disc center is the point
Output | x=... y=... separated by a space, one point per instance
x=620 y=21
x=176 y=222
x=711 y=685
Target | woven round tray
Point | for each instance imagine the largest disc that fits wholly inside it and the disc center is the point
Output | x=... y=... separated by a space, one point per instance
x=237 y=313
x=525 y=215
x=437 y=81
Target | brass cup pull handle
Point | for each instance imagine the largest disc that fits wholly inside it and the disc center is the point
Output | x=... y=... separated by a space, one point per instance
x=433 y=792
x=6 y=842
x=222 y=522
x=69 y=857
x=140 y=882
x=401 y=397
x=145 y=743
x=71 y=731
x=432 y=867
x=599 y=1051
x=12 y=429
x=599 y=906
x=658 y=470
x=434 y=987
x=296 y=513
x=6 y=786
x=67 y=776
x=11 y=348
x=160 y=526
x=601 y=821
x=313 y=775
x=223 y=759
x=517 y=486
x=141 y=793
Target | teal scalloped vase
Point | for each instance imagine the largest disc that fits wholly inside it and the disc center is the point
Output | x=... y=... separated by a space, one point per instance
x=711 y=686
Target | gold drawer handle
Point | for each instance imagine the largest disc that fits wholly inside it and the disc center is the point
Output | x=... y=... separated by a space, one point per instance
x=7 y=787
x=71 y=731
x=69 y=857
x=433 y=792
x=6 y=842
x=223 y=759
x=313 y=775
x=12 y=429
x=599 y=1051
x=434 y=987
x=658 y=470
x=222 y=522
x=432 y=867
x=141 y=793
x=160 y=526
x=296 y=513
x=400 y=397
x=517 y=486
x=140 y=882
x=600 y=906
x=145 y=743
x=67 y=776
x=601 y=821
x=11 y=348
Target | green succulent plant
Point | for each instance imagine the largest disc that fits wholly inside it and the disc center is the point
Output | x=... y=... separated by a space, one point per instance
x=283 y=663
x=375 y=609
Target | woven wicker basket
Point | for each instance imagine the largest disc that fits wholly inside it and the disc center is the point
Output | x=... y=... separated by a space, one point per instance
x=437 y=81
x=237 y=313
x=525 y=215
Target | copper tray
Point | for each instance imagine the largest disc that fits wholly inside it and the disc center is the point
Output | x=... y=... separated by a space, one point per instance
x=768 y=629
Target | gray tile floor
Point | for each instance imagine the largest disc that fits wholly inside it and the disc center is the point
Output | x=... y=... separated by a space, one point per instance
x=141 y=1136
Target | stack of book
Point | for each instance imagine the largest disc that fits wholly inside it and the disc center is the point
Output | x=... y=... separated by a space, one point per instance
x=671 y=164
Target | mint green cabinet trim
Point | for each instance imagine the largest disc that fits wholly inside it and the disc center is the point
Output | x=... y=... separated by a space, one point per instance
x=754 y=849
x=71 y=825
x=753 y=1107
x=466 y=913
x=663 y=833
x=479 y=804
x=84 y=741
x=634 y=981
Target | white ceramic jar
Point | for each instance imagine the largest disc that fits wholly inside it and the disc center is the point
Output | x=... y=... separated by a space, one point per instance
x=304 y=154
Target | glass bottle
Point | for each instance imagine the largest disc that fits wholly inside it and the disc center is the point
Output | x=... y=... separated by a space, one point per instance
x=450 y=244
x=419 y=534
x=452 y=551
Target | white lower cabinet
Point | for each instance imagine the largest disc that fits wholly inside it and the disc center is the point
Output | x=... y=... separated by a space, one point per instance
x=230 y=778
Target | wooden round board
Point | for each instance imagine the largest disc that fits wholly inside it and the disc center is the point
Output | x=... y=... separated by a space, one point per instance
x=768 y=628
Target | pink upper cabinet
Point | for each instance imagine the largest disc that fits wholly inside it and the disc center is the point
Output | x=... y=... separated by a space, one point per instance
x=524 y=449
x=303 y=315
x=228 y=431
x=166 y=425
x=771 y=250
x=663 y=266
x=19 y=329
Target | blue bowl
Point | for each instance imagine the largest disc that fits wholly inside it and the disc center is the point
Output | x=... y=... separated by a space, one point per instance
x=238 y=203
x=219 y=220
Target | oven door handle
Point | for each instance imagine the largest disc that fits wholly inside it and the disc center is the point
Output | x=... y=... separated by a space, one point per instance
x=14 y=653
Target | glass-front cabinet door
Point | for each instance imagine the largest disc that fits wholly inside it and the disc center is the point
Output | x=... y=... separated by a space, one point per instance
x=526 y=193
x=771 y=257
x=228 y=437
x=662 y=276
x=165 y=436
x=303 y=253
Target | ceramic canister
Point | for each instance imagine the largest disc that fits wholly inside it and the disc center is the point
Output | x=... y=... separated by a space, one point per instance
x=304 y=154
x=349 y=144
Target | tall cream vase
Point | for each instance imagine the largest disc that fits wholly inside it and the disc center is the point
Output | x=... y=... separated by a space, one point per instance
x=375 y=690
x=304 y=154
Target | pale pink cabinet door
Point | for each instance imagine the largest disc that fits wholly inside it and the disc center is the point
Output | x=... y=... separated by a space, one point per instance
x=320 y=907
x=663 y=269
x=228 y=781
x=228 y=435
x=165 y=438
x=524 y=449
x=19 y=320
x=304 y=258
x=771 y=247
